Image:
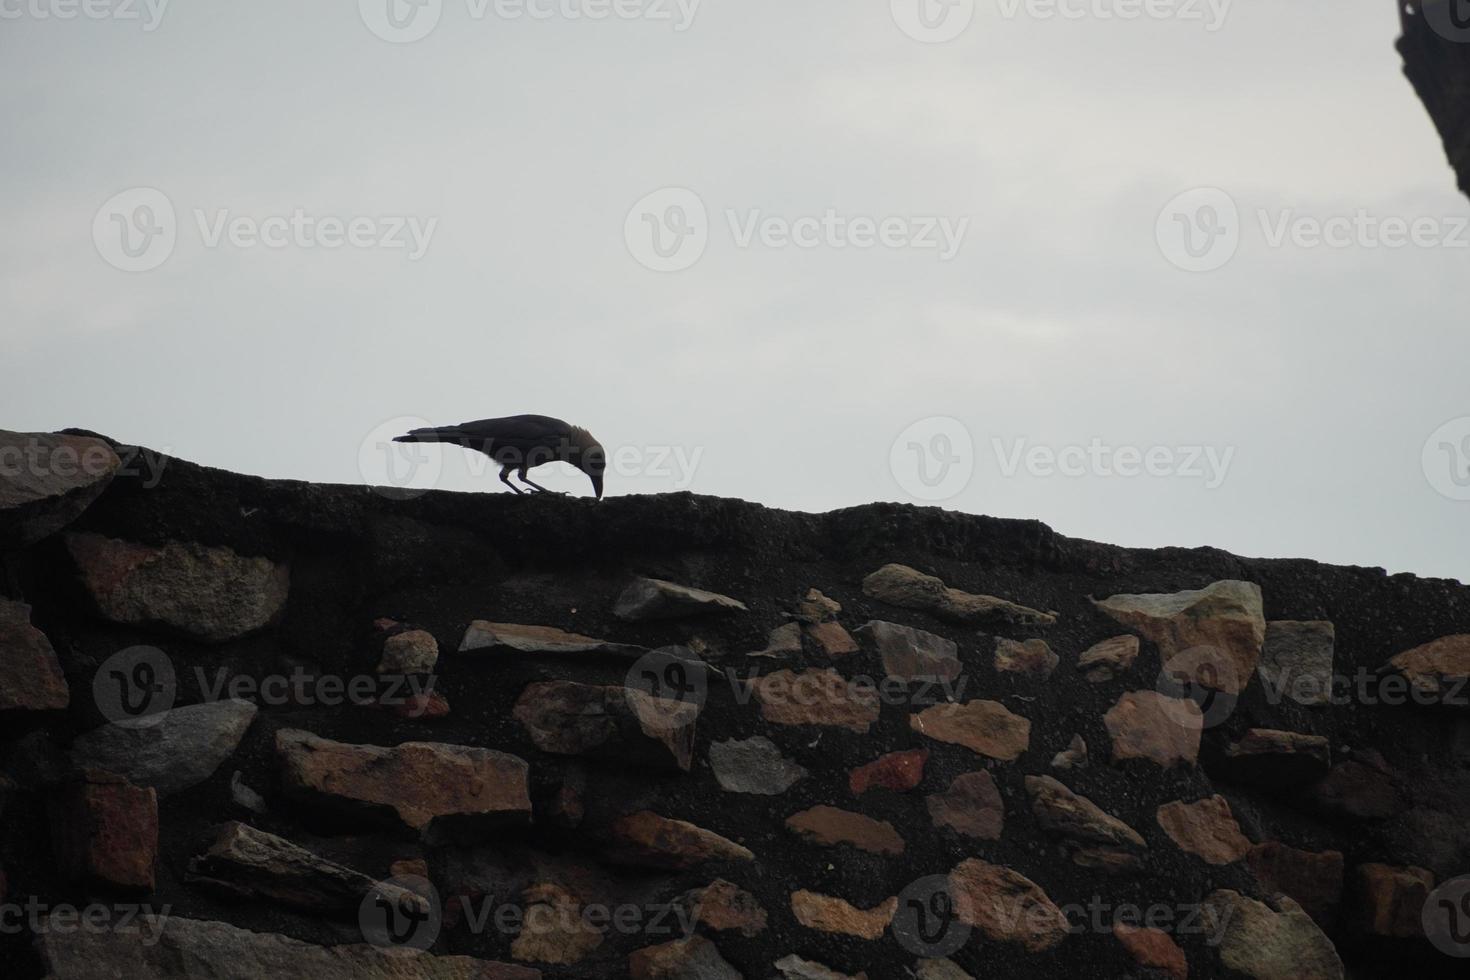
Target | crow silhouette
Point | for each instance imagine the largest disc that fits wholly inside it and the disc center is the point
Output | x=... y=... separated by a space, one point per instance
x=520 y=442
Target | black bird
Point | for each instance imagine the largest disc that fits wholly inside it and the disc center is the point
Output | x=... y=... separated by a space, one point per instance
x=519 y=442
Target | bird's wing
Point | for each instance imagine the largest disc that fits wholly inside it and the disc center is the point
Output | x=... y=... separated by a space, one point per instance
x=526 y=431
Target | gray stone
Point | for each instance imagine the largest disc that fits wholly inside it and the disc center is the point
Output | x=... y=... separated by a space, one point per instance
x=651 y=598
x=516 y=638
x=409 y=652
x=783 y=641
x=1266 y=943
x=46 y=481
x=911 y=654
x=909 y=588
x=1296 y=661
x=182 y=749
x=753 y=765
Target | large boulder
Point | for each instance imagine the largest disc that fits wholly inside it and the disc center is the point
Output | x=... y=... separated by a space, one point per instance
x=181 y=749
x=210 y=594
x=1217 y=631
x=46 y=481
x=1269 y=943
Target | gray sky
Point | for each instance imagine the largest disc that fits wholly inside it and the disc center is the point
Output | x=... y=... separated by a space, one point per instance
x=1298 y=390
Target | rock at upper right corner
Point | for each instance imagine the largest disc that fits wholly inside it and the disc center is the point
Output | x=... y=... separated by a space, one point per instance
x=653 y=598
x=909 y=588
x=1215 y=633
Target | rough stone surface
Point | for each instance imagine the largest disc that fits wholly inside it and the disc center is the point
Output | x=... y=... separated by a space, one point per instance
x=1297 y=660
x=177 y=948
x=554 y=929
x=828 y=914
x=569 y=718
x=409 y=652
x=651 y=599
x=210 y=594
x=647 y=839
x=1074 y=756
x=816 y=697
x=1266 y=943
x=1033 y=658
x=1313 y=879
x=829 y=826
x=483 y=635
x=694 y=958
x=1006 y=906
x=783 y=641
x=1153 y=949
x=1225 y=617
x=1206 y=829
x=182 y=749
x=984 y=727
x=30 y=673
x=105 y=831
x=910 y=654
x=832 y=639
x=753 y=765
x=898 y=771
x=413 y=784
x=1149 y=725
x=47 y=480
x=1438 y=668
x=1106 y=660
x=908 y=588
x=971 y=806
x=723 y=906
x=1389 y=901
x=1095 y=837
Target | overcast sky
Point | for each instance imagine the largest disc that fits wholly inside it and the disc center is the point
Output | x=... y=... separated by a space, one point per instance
x=810 y=254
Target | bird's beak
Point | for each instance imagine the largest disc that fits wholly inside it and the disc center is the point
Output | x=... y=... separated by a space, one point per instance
x=596 y=479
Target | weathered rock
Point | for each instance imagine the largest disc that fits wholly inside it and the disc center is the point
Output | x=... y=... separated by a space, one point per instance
x=182 y=749
x=567 y=718
x=1106 y=660
x=1389 y=901
x=1074 y=756
x=971 y=806
x=830 y=826
x=908 y=588
x=483 y=635
x=753 y=765
x=30 y=673
x=828 y=914
x=647 y=839
x=409 y=652
x=47 y=480
x=1314 y=880
x=244 y=796
x=783 y=641
x=694 y=958
x=105 y=830
x=1363 y=788
x=246 y=862
x=1205 y=828
x=1224 y=616
x=1148 y=725
x=1153 y=949
x=651 y=598
x=210 y=594
x=172 y=947
x=554 y=929
x=910 y=654
x=832 y=639
x=816 y=697
x=984 y=727
x=1438 y=670
x=1030 y=657
x=1094 y=837
x=723 y=906
x=418 y=785
x=1296 y=661
x=1006 y=906
x=1266 y=943
x=898 y=771
x=817 y=608
x=1270 y=758
x=793 y=967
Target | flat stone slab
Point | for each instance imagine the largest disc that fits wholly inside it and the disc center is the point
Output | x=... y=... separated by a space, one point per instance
x=47 y=480
x=652 y=598
x=909 y=588
x=483 y=635
x=649 y=839
x=182 y=749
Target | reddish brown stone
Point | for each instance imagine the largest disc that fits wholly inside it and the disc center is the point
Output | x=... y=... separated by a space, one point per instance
x=984 y=727
x=833 y=640
x=1215 y=634
x=419 y=707
x=828 y=914
x=1148 y=725
x=1313 y=879
x=1006 y=906
x=30 y=674
x=105 y=830
x=1438 y=667
x=898 y=771
x=816 y=697
x=553 y=929
x=1206 y=829
x=1389 y=901
x=724 y=907
x=1272 y=758
x=971 y=806
x=1104 y=661
x=693 y=958
x=647 y=839
x=1093 y=837
x=830 y=826
x=1032 y=658
x=1153 y=949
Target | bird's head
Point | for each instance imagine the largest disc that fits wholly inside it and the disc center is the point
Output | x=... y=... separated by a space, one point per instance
x=589 y=457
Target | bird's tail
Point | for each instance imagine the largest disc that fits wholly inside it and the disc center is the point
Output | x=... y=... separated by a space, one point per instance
x=448 y=433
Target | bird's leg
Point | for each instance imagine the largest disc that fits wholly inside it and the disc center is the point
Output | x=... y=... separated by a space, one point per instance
x=505 y=478
x=539 y=489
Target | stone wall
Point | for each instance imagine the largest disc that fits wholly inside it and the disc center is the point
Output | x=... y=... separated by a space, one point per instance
x=258 y=727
